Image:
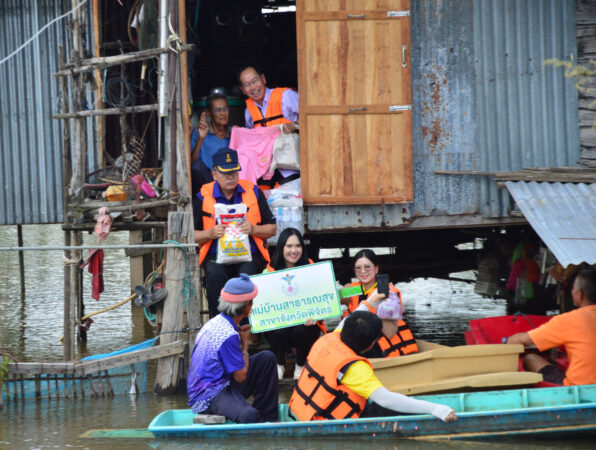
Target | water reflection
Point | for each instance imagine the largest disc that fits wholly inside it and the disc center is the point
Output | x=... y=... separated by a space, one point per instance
x=436 y=310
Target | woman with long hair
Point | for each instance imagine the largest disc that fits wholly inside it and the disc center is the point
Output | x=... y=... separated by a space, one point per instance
x=289 y=253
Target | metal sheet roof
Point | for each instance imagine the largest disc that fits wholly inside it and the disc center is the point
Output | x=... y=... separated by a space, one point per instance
x=563 y=215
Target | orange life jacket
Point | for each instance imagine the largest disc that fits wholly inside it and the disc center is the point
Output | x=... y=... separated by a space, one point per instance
x=320 y=323
x=273 y=115
x=318 y=395
x=253 y=215
x=402 y=343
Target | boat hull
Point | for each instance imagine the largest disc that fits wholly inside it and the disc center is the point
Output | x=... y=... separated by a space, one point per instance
x=565 y=410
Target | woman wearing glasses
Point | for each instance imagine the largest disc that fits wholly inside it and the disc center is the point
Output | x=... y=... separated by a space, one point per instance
x=397 y=339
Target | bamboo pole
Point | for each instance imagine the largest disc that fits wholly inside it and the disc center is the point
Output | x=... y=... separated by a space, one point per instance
x=66 y=177
x=107 y=111
x=100 y=63
x=21 y=261
x=101 y=121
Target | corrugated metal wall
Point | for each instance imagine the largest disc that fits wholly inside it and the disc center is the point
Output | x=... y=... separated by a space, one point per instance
x=30 y=140
x=482 y=101
x=527 y=112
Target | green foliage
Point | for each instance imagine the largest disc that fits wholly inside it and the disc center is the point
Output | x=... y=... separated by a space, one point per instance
x=582 y=75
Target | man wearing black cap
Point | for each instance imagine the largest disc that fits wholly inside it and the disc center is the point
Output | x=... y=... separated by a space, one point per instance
x=259 y=224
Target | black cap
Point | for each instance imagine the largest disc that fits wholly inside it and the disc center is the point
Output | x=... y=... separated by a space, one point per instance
x=226 y=160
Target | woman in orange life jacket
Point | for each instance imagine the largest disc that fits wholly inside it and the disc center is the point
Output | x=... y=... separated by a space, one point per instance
x=397 y=339
x=366 y=268
x=290 y=252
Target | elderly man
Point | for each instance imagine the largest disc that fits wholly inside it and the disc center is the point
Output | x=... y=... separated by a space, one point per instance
x=336 y=362
x=259 y=224
x=222 y=375
x=575 y=330
x=267 y=107
x=207 y=138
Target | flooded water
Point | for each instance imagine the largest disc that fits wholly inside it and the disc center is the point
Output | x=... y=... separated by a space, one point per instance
x=436 y=310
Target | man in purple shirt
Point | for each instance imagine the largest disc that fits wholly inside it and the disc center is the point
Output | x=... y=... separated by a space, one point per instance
x=253 y=85
x=222 y=375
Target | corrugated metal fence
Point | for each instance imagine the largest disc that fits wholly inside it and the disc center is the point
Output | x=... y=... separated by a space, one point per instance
x=30 y=140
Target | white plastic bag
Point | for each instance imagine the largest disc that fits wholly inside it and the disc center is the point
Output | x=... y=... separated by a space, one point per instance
x=234 y=246
x=286 y=151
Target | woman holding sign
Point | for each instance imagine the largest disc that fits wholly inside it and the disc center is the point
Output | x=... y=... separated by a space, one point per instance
x=289 y=253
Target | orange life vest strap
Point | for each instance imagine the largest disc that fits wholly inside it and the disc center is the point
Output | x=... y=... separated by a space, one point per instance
x=273 y=114
x=340 y=397
x=403 y=343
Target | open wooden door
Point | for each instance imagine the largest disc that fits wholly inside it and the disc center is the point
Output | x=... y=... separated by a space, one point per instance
x=354 y=81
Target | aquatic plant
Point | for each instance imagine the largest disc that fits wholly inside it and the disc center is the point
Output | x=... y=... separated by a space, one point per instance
x=7 y=358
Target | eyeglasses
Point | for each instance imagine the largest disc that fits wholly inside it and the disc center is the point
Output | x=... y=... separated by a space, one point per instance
x=250 y=83
x=220 y=110
x=362 y=268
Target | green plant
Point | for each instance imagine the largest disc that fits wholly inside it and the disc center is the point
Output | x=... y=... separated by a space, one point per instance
x=581 y=73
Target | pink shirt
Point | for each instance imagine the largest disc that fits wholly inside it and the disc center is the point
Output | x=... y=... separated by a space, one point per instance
x=255 y=151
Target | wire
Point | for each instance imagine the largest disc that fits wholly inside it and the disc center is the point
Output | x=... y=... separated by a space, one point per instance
x=32 y=38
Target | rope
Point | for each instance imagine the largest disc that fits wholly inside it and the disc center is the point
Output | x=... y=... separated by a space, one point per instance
x=187 y=290
x=69 y=262
x=174 y=42
x=109 y=308
x=184 y=330
x=32 y=38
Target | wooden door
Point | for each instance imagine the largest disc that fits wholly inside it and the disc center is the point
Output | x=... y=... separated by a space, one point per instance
x=354 y=82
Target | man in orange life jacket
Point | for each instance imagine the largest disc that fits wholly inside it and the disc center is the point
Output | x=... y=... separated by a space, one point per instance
x=267 y=107
x=337 y=381
x=259 y=224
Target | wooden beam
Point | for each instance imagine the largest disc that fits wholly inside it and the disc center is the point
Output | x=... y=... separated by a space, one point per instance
x=90 y=64
x=122 y=206
x=83 y=368
x=107 y=112
x=180 y=228
x=116 y=226
x=465 y=172
x=37 y=368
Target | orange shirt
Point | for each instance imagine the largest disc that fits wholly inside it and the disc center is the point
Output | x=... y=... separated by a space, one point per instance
x=576 y=330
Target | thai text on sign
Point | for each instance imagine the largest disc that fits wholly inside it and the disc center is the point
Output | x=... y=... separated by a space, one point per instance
x=289 y=297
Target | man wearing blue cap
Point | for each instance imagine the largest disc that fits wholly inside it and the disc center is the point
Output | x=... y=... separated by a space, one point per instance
x=259 y=224
x=221 y=375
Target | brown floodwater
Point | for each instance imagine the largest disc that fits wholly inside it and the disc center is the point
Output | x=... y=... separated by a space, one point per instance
x=436 y=310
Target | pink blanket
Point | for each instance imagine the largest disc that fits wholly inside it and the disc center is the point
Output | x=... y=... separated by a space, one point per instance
x=255 y=151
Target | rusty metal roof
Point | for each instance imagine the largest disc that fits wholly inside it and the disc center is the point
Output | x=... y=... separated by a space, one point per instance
x=563 y=215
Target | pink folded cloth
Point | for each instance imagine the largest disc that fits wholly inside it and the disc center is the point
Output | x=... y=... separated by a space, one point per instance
x=255 y=151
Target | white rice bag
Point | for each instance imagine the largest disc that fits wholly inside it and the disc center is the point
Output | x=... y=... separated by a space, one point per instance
x=234 y=246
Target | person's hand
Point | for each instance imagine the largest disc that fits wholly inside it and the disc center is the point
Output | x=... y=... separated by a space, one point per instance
x=376 y=298
x=202 y=126
x=290 y=127
x=246 y=227
x=310 y=323
x=217 y=231
x=452 y=417
x=244 y=332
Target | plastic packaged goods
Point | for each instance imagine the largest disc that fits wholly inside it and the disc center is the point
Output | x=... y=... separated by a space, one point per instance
x=234 y=246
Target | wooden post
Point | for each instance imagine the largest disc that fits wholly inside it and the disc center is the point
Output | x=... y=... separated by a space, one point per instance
x=100 y=120
x=21 y=261
x=180 y=229
x=66 y=177
x=137 y=275
x=193 y=310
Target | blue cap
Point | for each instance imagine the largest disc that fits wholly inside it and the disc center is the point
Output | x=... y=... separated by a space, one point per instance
x=226 y=160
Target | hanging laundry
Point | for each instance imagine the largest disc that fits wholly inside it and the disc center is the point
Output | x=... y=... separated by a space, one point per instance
x=96 y=269
x=255 y=151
